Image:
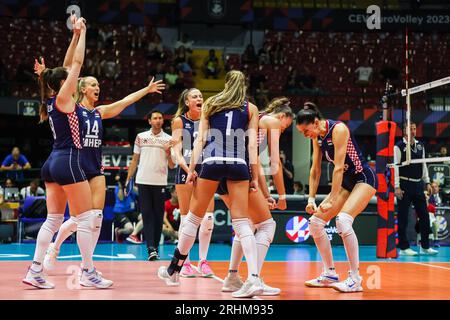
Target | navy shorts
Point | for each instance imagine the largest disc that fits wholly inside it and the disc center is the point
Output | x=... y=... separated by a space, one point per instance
x=181 y=175
x=235 y=171
x=63 y=167
x=92 y=175
x=367 y=176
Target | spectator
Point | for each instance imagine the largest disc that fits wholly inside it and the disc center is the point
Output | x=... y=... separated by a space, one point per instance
x=288 y=173
x=293 y=81
x=249 y=56
x=159 y=72
x=306 y=79
x=125 y=213
x=110 y=69
x=263 y=54
x=93 y=64
x=276 y=54
x=171 y=216
x=155 y=48
x=173 y=79
x=105 y=37
x=182 y=60
x=364 y=74
x=152 y=156
x=15 y=163
x=211 y=65
x=33 y=190
x=184 y=42
x=3 y=79
x=435 y=197
x=9 y=183
x=298 y=188
x=261 y=95
x=443 y=152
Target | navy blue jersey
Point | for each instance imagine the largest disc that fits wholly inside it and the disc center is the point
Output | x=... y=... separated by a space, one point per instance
x=354 y=160
x=66 y=127
x=227 y=135
x=91 y=154
x=190 y=132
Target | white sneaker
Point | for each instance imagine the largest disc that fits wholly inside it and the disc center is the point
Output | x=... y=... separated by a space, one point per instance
x=352 y=284
x=428 y=252
x=269 y=291
x=232 y=283
x=171 y=280
x=50 y=258
x=408 y=252
x=80 y=272
x=37 y=279
x=94 y=279
x=325 y=280
x=252 y=287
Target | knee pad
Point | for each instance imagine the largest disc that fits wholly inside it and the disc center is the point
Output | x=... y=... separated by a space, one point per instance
x=344 y=223
x=317 y=227
x=265 y=232
x=53 y=222
x=207 y=224
x=190 y=224
x=242 y=228
x=96 y=221
x=87 y=221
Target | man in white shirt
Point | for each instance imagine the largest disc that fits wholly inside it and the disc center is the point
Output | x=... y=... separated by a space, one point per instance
x=152 y=156
x=33 y=190
x=364 y=75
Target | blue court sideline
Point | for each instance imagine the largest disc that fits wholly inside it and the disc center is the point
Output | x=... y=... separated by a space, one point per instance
x=217 y=252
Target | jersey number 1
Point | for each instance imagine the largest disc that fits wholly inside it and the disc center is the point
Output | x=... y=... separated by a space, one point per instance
x=229 y=115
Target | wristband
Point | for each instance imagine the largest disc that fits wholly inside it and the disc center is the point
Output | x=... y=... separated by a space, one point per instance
x=281 y=197
x=311 y=200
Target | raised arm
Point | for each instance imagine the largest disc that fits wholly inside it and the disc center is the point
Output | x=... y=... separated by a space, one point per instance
x=68 y=59
x=111 y=110
x=64 y=99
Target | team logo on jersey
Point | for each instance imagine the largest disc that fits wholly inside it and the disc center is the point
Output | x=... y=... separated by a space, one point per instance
x=188 y=125
x=297 y=229
x=217 y=8
x=329 y=142
x=85 y=114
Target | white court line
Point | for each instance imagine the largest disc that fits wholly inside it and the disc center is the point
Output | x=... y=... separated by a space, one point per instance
x=431 y=265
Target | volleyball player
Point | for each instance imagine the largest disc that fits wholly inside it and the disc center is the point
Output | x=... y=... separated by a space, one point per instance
x=184 y=130
x=272 y=122
x=88 y=92
x=223 y=122
x=354 y=183
x=64 y=177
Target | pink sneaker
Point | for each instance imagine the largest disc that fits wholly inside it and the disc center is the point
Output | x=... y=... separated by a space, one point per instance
x=187 y=271
x=205 y=269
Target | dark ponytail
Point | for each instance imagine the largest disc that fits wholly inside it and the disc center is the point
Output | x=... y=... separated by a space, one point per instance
x=49 y=83
x=308 y=114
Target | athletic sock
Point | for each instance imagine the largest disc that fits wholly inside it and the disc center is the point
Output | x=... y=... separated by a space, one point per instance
x=45 y=236
x=66 y=230
x=204 y=235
